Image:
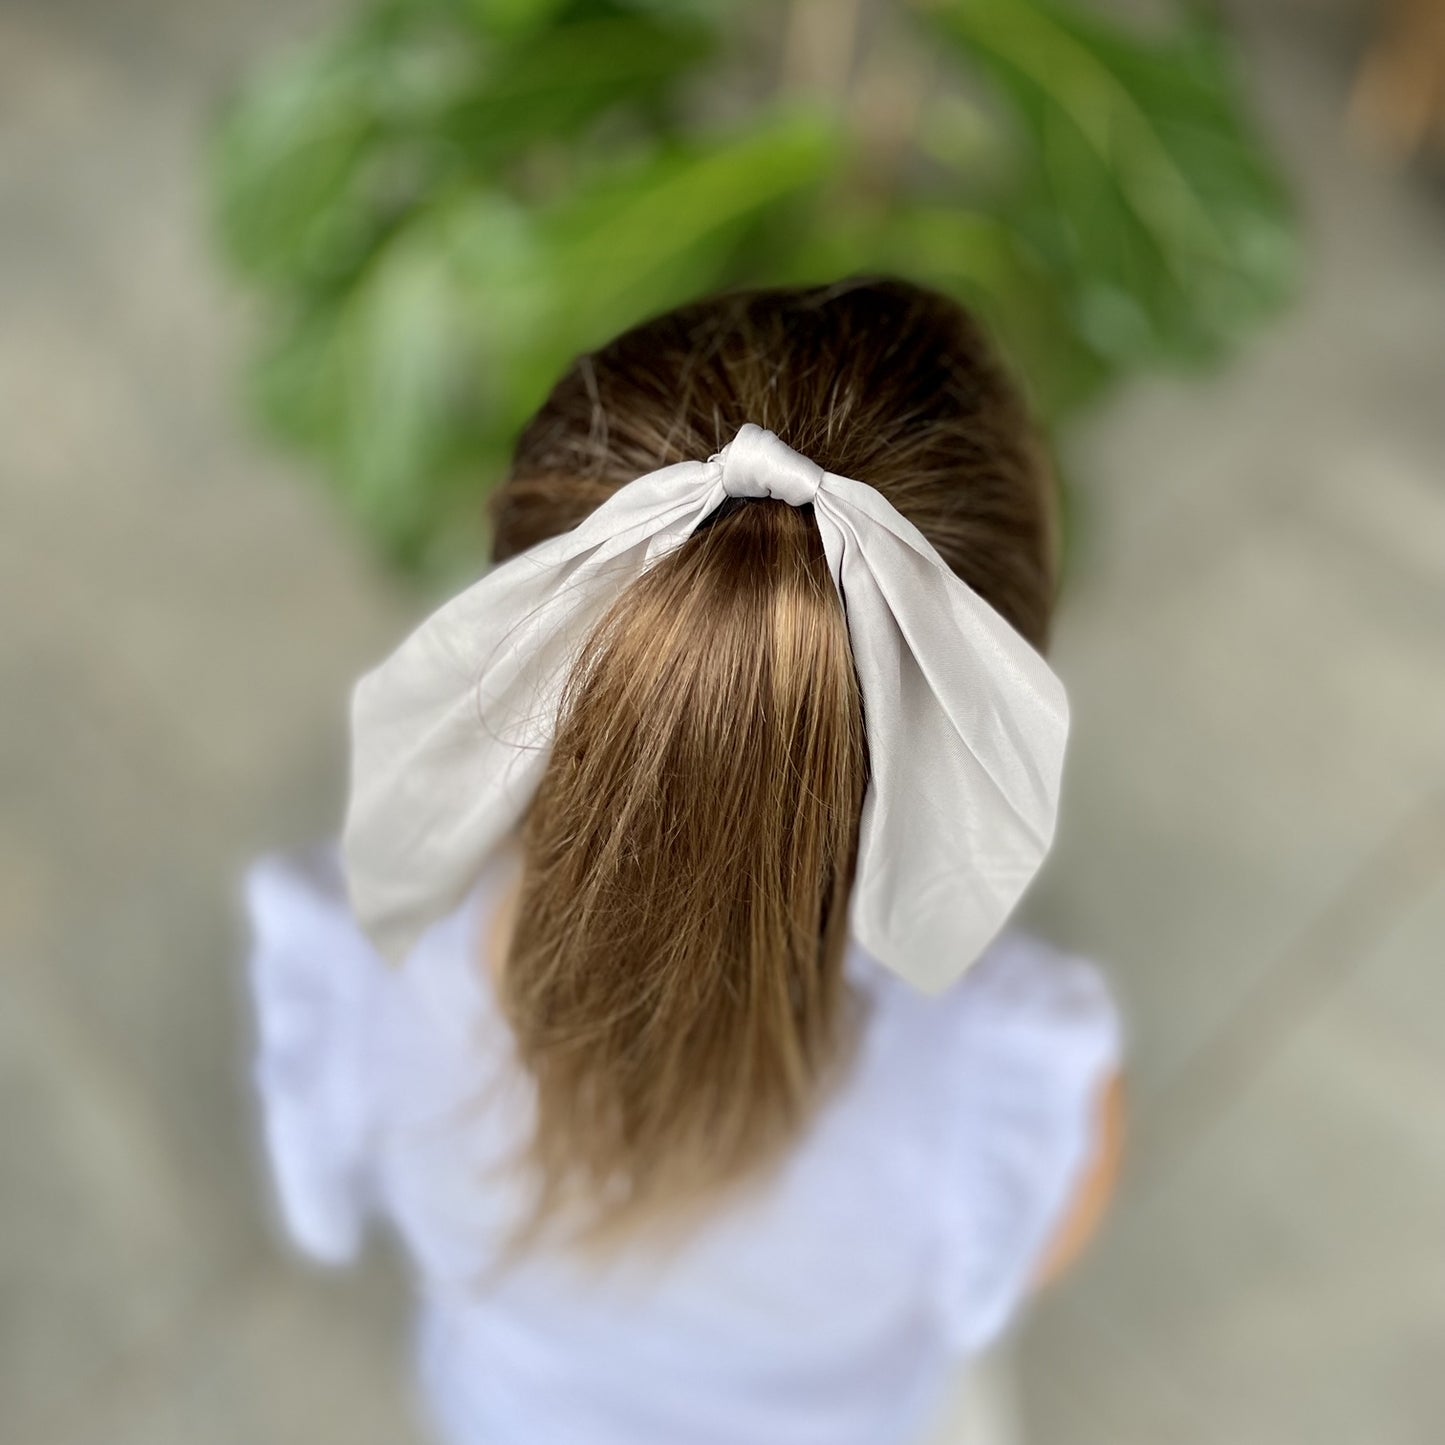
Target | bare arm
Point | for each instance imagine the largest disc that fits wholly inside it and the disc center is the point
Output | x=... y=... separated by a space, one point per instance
x=1096 y=1187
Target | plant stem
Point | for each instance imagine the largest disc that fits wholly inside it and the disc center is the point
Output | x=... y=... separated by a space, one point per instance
x=818 y=55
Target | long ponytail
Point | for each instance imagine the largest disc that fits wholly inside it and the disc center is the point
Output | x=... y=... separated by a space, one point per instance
x=674 y=981
x=675 y=978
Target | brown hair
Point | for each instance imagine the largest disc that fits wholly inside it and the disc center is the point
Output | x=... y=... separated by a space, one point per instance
x=674 y=981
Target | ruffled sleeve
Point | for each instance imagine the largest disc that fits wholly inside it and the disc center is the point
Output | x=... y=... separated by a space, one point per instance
x=313 y=978
x=1036 y=1039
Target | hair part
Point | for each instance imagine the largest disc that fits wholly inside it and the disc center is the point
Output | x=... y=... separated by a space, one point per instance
x=675 y=979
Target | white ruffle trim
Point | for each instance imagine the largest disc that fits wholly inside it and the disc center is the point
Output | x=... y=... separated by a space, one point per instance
x=312 y=973
x=1041 y=1038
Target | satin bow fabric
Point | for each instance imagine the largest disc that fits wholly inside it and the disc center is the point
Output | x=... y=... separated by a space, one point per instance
x=966 y=723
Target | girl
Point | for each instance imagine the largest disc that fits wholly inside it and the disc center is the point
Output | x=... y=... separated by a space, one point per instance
x=679 y=827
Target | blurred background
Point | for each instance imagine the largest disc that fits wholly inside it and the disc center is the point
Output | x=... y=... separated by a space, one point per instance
x=278 y=281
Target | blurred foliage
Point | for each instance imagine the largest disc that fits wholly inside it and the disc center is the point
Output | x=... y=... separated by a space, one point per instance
x=446 y=201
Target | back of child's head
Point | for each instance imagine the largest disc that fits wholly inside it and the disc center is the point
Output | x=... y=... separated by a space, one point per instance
x=675 y=977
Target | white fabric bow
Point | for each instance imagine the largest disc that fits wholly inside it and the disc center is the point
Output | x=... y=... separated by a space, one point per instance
x=966 y=723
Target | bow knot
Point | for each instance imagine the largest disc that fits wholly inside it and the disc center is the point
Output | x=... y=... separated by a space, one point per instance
x=757 y=464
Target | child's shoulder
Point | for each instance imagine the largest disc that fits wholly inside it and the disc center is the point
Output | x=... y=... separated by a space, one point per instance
x=307 y=946
x=348 y=1046
x=1013 y=1061
x=1030 y=987
x=1023 y=997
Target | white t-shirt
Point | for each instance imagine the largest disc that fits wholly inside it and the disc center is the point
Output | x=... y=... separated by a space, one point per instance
x=831 y=1305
